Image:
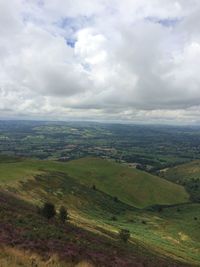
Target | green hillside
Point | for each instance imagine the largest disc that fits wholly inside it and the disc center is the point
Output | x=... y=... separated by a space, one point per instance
x=131 y=186
x=187 y=175
x=171 y=234
x=183 y=172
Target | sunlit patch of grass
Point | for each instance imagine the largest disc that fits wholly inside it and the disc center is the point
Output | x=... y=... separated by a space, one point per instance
x=84 y=264
x=20 y=258
x=131 y=186
x=12 y=257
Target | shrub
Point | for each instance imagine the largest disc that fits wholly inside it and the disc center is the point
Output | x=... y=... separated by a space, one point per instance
x=114 y=218
x=94 y=187
x=48 y=210
x=124 y=235
x=39 y=210
x=116 y=199
x=63 y=214
x=160 y=208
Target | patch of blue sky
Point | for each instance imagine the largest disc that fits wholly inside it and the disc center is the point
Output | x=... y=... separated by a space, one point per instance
x=71 y=42
x=71 y=25
x=75 y=23
x=86 y=66
x=166 y=22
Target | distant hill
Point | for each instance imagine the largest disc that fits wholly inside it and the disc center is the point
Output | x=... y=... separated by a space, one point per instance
x=131 y=186
x=188 y=175
x=183 y=172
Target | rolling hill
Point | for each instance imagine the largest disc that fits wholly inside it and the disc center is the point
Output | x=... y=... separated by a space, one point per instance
x=183 y=172
x=188 y=175
x=131 y=186
x=90 y=189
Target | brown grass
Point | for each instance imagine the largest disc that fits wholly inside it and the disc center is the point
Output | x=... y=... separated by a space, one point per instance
x=12 y=257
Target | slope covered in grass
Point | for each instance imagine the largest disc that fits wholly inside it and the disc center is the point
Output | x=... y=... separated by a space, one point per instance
x=131 y=186
x=25 y=235
x=187 y=175
x=24 y=228
x=183 y=172
x=172 y=232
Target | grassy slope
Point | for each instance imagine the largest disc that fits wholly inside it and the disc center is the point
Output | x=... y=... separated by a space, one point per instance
x=171 y=233
x=29 y=231
x=184 y=171
x=21 y=258
x=174 y=231
x=93 y=209
x=131 y=186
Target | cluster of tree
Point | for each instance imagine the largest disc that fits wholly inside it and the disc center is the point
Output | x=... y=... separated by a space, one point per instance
x=48 y=211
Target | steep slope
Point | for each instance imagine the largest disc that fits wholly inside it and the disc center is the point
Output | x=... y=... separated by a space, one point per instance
x=65 y=245
x=95 y=209
x=187 y=175
x=183 y=172
x=131 y=186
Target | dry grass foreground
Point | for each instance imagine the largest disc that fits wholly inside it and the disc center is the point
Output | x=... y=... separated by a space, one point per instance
x=12 y=257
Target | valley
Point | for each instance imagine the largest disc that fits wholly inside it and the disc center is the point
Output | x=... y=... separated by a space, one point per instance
x=109 y=177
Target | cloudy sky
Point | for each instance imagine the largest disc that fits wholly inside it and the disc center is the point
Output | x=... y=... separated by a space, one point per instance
x=114 y=60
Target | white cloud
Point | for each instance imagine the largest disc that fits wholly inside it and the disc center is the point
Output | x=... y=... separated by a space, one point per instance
x=118 y=60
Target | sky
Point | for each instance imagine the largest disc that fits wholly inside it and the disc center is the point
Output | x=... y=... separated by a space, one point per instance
x=106 y=60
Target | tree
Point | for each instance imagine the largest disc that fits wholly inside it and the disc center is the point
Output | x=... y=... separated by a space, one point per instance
x=124 y=235
x=63 y=214
x=48 y=210
x=114 y=218
x=116 y=199
x=94 y=187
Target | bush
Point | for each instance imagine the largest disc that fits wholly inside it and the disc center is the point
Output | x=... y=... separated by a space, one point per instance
x=39 y=210
x=63 y=214
x=160 y=208
x=124 y=235
x=114 y=218
x=48 y=210
x=116 y=199
x=94 y=187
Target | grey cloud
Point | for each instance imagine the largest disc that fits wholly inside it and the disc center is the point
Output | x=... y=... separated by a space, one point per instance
x=120 y=66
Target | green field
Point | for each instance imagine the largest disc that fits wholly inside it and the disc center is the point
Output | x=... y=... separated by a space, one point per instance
x=131 y=186
x=184 y=172
x=188 y=175
x=118 y=201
